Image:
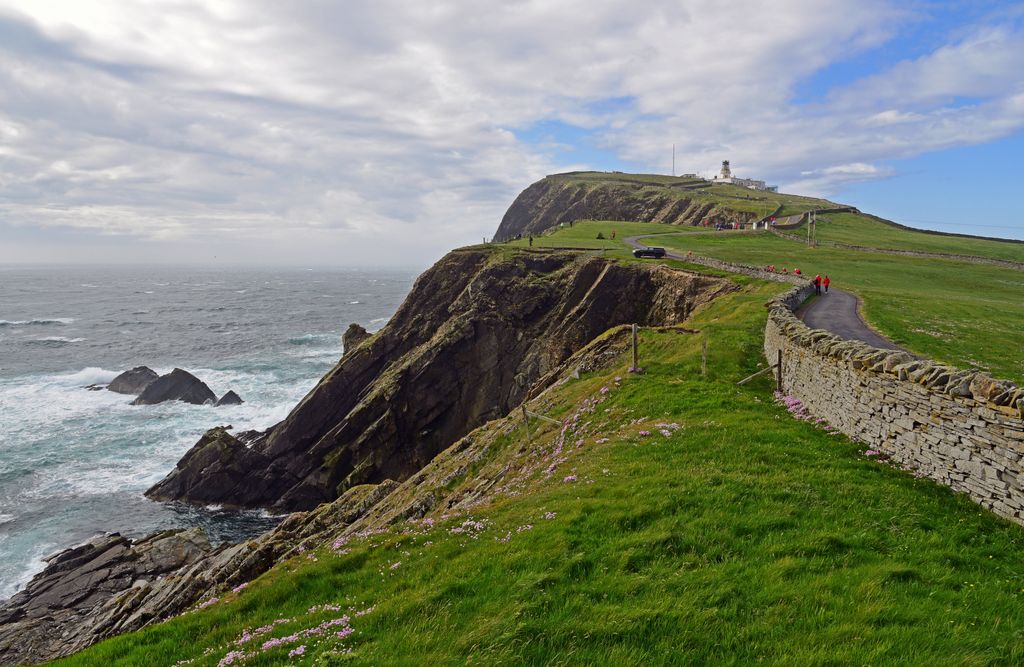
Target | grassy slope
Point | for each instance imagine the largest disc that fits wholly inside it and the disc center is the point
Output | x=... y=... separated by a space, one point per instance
x=745 y=536
x=583 y=234
x=861 y=230
x=731 y=196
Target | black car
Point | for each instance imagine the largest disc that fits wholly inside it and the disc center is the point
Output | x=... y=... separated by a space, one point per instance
x=653 y=253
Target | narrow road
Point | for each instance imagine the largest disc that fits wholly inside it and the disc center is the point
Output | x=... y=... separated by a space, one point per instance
x=836 y=311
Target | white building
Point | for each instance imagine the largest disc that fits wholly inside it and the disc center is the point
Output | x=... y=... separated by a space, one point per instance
x=725 y=176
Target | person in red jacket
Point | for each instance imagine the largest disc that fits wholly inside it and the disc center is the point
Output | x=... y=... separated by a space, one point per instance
x=817 y=285
x=796 y=271
x=826 y=282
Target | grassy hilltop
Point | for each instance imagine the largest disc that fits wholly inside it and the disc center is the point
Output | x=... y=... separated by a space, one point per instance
x=676 y=518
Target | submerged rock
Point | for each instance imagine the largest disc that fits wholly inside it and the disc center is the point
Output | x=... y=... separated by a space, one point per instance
x=230 y=398
x=133 y=381
x=178 y=385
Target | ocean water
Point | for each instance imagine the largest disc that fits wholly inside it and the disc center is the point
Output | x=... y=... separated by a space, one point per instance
x=74 y=463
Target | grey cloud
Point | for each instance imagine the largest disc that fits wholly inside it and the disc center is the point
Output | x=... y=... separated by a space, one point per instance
x=313 y=126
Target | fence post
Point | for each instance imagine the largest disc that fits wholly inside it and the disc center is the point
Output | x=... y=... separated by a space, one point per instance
x=635 y=368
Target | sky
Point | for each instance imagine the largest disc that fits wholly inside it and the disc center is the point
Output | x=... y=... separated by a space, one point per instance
x=223 y=132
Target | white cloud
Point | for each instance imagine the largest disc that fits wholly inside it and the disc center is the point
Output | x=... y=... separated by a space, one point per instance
x=330 y=130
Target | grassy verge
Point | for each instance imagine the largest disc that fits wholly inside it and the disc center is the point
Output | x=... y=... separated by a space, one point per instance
x=691 y=522
x=966 y=314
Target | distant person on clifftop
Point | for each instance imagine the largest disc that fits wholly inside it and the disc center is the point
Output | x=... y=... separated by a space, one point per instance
x=826 y=282
x=531 y=240
x=613 y=233
x=817 y=285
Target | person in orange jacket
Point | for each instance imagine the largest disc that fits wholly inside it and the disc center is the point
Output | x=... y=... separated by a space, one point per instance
x=826 y=282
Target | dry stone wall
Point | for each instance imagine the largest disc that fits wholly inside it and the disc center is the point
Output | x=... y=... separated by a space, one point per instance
x=961 y=428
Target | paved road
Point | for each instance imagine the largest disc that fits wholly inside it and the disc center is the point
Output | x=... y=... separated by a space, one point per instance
x=836 y=311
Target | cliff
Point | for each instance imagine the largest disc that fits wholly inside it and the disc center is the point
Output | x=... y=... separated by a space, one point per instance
x=472 y=340
x=480 y=333
x=569 y=197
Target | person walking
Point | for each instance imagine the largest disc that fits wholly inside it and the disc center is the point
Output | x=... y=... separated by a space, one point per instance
x=531 y=240
x=817 y=285
x=826 y=282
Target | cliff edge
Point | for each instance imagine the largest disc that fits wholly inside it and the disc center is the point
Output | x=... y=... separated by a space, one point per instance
x=477 y=332
x=561 y=198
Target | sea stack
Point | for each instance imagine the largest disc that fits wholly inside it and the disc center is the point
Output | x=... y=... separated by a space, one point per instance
x=230 y=398
x=178 y=385
x=353 y=336
x=133 y=382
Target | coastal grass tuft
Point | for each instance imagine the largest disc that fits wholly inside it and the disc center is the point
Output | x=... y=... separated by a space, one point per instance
x=696 y=523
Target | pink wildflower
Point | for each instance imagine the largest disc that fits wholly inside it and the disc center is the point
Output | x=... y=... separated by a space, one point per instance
x=643 y=434
x=665 y=432
x=231 y=658
x=344 y=632
x=208 y=603
x=397 y=564
x=240 y=587
x=569 y=478
x=549 y=515
x=872 y=452
x=601 y=441
x=604 y=390
x=297 y=651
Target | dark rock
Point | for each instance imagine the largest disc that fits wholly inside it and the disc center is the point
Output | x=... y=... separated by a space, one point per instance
x=178 y=385
x=95 y=387
x=352 y=337
x=230 y=398
x=111 y=585
x=57 y=612
x=471 y=341
x=133 y=381
x=219 y=468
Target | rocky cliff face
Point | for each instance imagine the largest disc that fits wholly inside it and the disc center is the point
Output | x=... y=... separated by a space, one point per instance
x=557 y=199
x=475 y=335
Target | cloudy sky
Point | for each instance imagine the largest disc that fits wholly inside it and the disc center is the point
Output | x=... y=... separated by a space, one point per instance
x=386 y=132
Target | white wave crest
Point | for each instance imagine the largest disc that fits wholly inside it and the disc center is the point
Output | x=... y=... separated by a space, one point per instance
x=37 y=321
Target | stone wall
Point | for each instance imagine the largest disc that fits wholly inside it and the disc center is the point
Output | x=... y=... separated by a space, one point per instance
x=960 y=428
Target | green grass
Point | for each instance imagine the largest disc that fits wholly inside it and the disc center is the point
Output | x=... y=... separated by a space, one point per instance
x=861 y=230
x=744 y=537
x=964 y=314
x=583 y=234
x=733 y=197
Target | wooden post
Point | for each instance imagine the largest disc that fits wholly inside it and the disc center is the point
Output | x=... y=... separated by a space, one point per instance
x=704 y=356
x=634 y=368
x=778 y=373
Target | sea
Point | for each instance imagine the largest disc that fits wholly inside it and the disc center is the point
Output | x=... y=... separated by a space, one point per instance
x=75 y=463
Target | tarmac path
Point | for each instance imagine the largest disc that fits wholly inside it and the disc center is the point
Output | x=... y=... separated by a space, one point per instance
x=837 y=312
